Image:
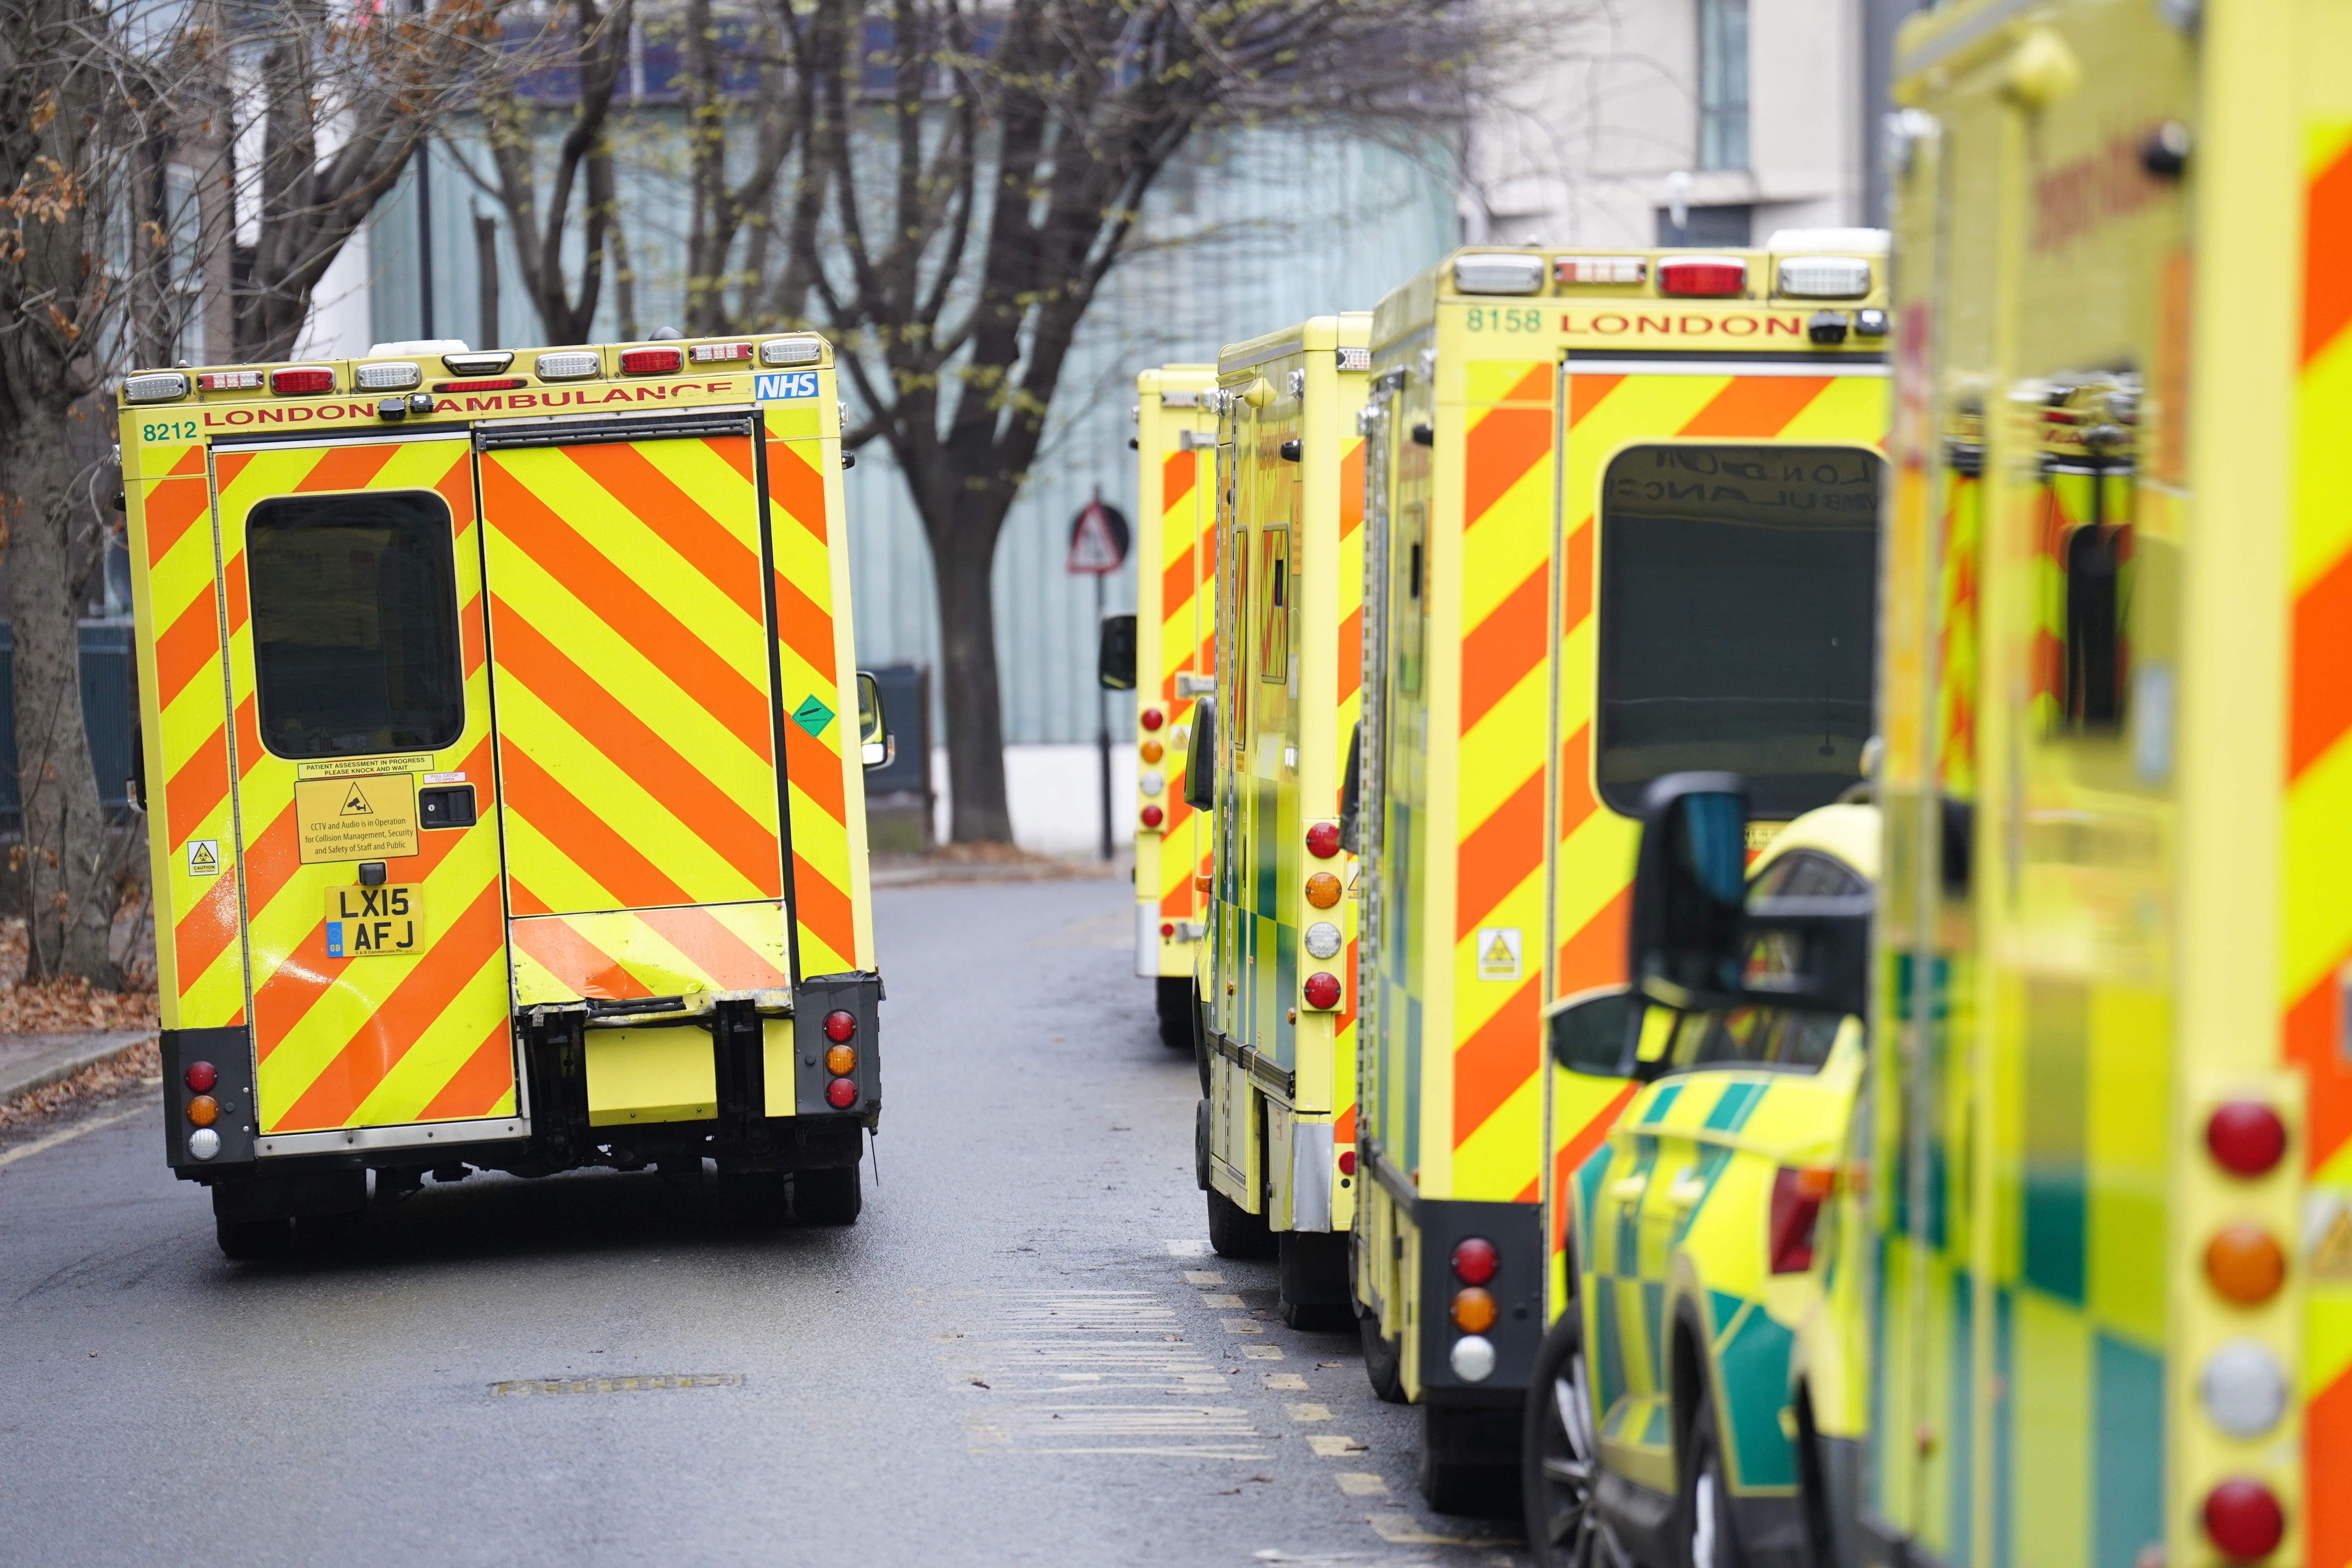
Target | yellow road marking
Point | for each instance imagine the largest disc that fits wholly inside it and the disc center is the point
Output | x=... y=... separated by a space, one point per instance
x=1203 y=1277
x=1335 y=1447
x=1404 y=1529
x=1309 y=1411
x=1260 y=1353
x=1244 y=1326
x=1221 y=1301
x=1362 y=1483
x=1285 y=1383
x=68 y=1135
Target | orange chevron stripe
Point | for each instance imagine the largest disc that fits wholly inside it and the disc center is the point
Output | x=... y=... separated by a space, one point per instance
x=802 y=626
x=707 y=942
x=347 y=467
x=1594 y=953
x=582 y=836
x=565 y=952
x=2327 y=284
x=2312 y=1030
x=202 y=934
x=227 y=465
x=171 y=508
x=189 y=647
x=191 y=461
x=1501 y=650
x=1576 y=801
x=197 y=789
x=481 y=1085
x=1494 y=859
x=248 y=737
x=622 y=471
x=2326 y=1460
x=240 y=606
x=1176 y=585
x=1576 y=578
x=814 y=769
x=822 y=910
x=1352 y=489
x=1755 y=407
x=1351 y=652
x=1179 y=472
x=1490 y=1066
x=796 y=486
x=2319 y=710
x=1585 y=393
x=676 y=785
x=1500 y=449
x=455 y=956
x=613 y=596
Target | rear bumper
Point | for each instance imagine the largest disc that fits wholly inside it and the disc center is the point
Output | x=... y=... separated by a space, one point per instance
x=1163 y=957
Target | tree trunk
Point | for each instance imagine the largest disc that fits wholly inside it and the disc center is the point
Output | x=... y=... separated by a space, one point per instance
x=969 y=691
x=65 y=872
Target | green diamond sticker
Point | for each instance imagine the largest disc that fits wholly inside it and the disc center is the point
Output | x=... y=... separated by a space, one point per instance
x=813 y=715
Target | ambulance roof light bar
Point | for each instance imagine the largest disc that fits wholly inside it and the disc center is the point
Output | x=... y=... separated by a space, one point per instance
x=155 y=386
x=1599 y=270
x=1702 y=277
x=1506 y=272
x=1824 y=277
x=801 y=348
x=567 y=364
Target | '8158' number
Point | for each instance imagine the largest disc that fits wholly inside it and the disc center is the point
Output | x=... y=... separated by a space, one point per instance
x=1505 y=319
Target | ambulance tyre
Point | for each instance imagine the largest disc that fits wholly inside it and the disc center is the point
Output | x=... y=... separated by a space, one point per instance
x=1234 y=1232
x=1201 y=1044
x=1174 y=998
x=827 y=1197
x=1383 y=1358
x=247 y=1239
x=1702 y=1527
x=1558 y=1463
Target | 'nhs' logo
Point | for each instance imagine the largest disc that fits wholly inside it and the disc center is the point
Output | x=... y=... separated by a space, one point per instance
x=783 y=384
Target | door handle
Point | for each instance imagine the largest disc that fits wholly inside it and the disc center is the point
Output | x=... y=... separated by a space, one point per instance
x=1629 y=1189
x=1688 y=1188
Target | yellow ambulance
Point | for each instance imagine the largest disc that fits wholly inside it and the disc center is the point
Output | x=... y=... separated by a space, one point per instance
x=1620 y=507
x=1276 y=1125
x=2110 y=1183
x=1172 y=663
x=502 y=758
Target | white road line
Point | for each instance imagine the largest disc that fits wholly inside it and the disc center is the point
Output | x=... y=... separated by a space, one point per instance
x=68 y=1134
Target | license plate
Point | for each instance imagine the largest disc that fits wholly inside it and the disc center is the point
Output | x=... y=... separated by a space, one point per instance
x=375 y=922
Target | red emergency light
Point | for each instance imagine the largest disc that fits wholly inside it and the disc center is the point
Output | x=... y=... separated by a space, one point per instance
x=1704 y=277
x=302 y=379
x=651 y=362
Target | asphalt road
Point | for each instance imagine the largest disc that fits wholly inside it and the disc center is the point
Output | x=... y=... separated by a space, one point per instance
x=1018 y=1355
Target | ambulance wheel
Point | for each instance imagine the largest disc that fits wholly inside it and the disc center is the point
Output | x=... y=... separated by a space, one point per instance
x=1558 y=1467
x=247 y=1239
x=1234 y=1232
x=1175 y=1003
x=1201 y=1044
x=1702 y=1503
x=1383 y=1358
x=827 y=1197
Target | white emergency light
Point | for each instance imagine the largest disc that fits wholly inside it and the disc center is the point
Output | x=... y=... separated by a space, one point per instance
x=155 y=386
x=801 y=348
x=396 y=377
x=567 y=364
x=1486 y=272
x=1824 y=277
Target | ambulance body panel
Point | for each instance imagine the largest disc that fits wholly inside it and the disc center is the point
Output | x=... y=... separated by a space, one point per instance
x=499 y=780
x=2116 y=900
x=1520 y=398
x=1278 y=1122
x=1175 y=660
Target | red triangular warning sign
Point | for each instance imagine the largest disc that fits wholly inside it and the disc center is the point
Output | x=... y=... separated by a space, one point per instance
x=1097 y=539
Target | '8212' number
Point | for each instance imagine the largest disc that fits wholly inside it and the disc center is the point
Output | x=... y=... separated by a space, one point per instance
x=1505 y=319
x=169 y=430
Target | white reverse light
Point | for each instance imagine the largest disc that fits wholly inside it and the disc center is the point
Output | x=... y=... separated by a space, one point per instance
x=1323 y=939
x=203 y=1143
x=1473 y=1358
x=1151 y=783
x=2243 y=1388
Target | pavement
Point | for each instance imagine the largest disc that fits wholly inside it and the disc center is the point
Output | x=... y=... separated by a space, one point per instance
x=28 y=1062
x=1022 y=1353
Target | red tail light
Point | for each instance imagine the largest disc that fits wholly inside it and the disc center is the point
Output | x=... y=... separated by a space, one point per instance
x=1702 y=277
x=1167 y=928
x=1323 y=840
x=651 y=362
x=2246 y=1137
x=840 y=1024
x=201 y=1076
x=1346 y=1162
x=2244 y=1519
x=1152 y=817
x=1476 y=1260
x=501 y=383
x=1322 y=990
x=1797 y=1196
x=841 y=1093
x=307 y=378
x=1150 y=719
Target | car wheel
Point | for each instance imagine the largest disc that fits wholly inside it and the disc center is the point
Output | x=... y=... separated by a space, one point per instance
x=1174 y=996
x=1704 y=1508
x=1558 y=1459
x=1234 y=1232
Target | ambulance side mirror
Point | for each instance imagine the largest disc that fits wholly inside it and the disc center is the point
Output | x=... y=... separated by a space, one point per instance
x=876 y=747
x=1598 y=1035
x=1200 y=759
x=1114 y=658
x=1688 y=883
x=1351 y=795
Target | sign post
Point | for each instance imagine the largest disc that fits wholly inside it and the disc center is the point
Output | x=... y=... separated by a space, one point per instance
x=1098 y=540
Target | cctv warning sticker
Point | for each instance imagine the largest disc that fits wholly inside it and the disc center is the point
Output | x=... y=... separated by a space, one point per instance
x=204 y=856
x=369 y=819
x=1498 y=953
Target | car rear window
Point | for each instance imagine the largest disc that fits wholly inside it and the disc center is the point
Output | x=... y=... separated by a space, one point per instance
x=355 y=624
x=1737 y=600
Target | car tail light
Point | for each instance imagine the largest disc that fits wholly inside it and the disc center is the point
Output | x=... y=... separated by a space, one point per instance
x=1151 y=718
x=1153 y=816
x=502 y=383
x=1702 y=277
x=1323 y=840
x=1475 y=1261
x=2244 y=1519
x=1473 y=1310
x=567 y=364
x=303 y=379
x=231 y=380
x=841 y=1061
x=1797 y=1196
x=1346 y=1162
x=721 y=353
x=651 y=362
x=204 y=1110
x=1322 y=990
x=2245 y=1137
x=840 y=1024
x=201 y=1076
x=2245 y=1263
x=1609 y=269
x=1322 y=889
x=841 y=1093
x=156 y=386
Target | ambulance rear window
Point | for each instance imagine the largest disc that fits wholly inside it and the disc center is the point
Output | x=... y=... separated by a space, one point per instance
x=355 y=624
x=1737 y=599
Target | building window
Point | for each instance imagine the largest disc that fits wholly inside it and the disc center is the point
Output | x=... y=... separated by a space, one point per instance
x=1723 y=84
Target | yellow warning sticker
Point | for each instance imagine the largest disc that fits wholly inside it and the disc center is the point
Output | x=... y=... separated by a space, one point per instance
x=1498 y=953
x=358 y=767
x=369 y=819
x=204 y=856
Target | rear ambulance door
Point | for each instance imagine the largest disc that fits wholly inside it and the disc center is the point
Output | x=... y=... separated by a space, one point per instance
x=629 y=610
x=351 y=575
